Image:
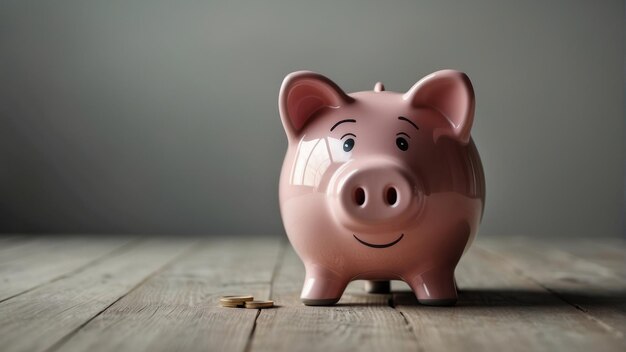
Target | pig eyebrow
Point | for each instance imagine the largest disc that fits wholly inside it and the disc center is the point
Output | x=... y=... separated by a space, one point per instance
x=342 y=121
x=409 y=121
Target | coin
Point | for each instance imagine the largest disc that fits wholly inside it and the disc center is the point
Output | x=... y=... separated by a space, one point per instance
x=232 y=305
x=259 y=304
x=238 y=300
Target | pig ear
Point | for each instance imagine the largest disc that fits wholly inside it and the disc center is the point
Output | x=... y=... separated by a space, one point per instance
x=451 y=94
x=302 y=94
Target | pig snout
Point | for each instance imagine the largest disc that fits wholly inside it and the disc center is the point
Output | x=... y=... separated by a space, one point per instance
x=374 y=193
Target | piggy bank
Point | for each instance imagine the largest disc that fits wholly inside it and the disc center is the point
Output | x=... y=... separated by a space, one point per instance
x=379 y=185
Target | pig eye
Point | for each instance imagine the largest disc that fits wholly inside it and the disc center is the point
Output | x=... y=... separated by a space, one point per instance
x=348 y=144
x=402 y=144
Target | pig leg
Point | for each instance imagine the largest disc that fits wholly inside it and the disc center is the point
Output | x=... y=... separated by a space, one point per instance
x=435 y=287
x=377 y=286
x=322 y=287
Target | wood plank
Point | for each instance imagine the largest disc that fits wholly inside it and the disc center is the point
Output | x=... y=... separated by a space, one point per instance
x=40 y=318
x=7 y=239
x=28 y=263
x=515 y=295
x=11 y=243
x=596 y=290
x=178 y=308
x=498 y=310
x=607 y=252
x=359 y=322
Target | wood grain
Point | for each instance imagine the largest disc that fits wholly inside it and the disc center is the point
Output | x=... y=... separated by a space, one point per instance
x=516 y=294
x=596 y=290
x=499 y=309
x=607 y=252
x=178 y=308
x=40 y=318
x=359 y=322
x=26 y=263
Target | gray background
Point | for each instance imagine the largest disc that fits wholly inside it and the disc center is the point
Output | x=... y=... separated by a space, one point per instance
x=161 y=116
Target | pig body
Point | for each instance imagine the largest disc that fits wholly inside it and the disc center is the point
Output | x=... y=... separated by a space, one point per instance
x=380 y=185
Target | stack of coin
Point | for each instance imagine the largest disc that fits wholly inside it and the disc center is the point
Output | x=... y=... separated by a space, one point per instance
x=259 y=304
x=235 y=301
x=245 y=301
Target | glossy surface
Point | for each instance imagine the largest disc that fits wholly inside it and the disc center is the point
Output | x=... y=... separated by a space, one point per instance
x=380 y=185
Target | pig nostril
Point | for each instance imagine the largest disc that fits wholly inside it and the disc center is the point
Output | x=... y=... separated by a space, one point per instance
x=391 y=196
x=359 y=196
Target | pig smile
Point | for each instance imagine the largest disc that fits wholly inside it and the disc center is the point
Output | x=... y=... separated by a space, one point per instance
x=386 y=245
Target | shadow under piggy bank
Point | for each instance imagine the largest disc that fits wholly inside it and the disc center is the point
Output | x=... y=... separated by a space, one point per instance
x=513 y=298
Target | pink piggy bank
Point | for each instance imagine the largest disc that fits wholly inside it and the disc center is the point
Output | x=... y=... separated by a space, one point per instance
x=380 y=185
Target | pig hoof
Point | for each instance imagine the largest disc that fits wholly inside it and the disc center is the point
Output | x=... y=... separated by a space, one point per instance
x=319 y=302
x=443 y=302
x=377 y=286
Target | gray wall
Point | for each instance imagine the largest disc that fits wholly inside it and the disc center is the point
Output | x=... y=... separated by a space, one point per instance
x=161 y=116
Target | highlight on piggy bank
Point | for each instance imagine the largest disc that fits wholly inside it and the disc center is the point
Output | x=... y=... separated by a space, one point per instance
x=380 y=185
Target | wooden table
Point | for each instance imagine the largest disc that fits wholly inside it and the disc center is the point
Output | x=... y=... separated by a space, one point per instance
x=150 y=294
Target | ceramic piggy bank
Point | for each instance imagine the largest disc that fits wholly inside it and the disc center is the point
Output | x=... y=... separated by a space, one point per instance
x=379 y=185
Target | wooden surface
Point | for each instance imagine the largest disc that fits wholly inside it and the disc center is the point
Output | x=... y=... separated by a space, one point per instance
x=90 y=294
